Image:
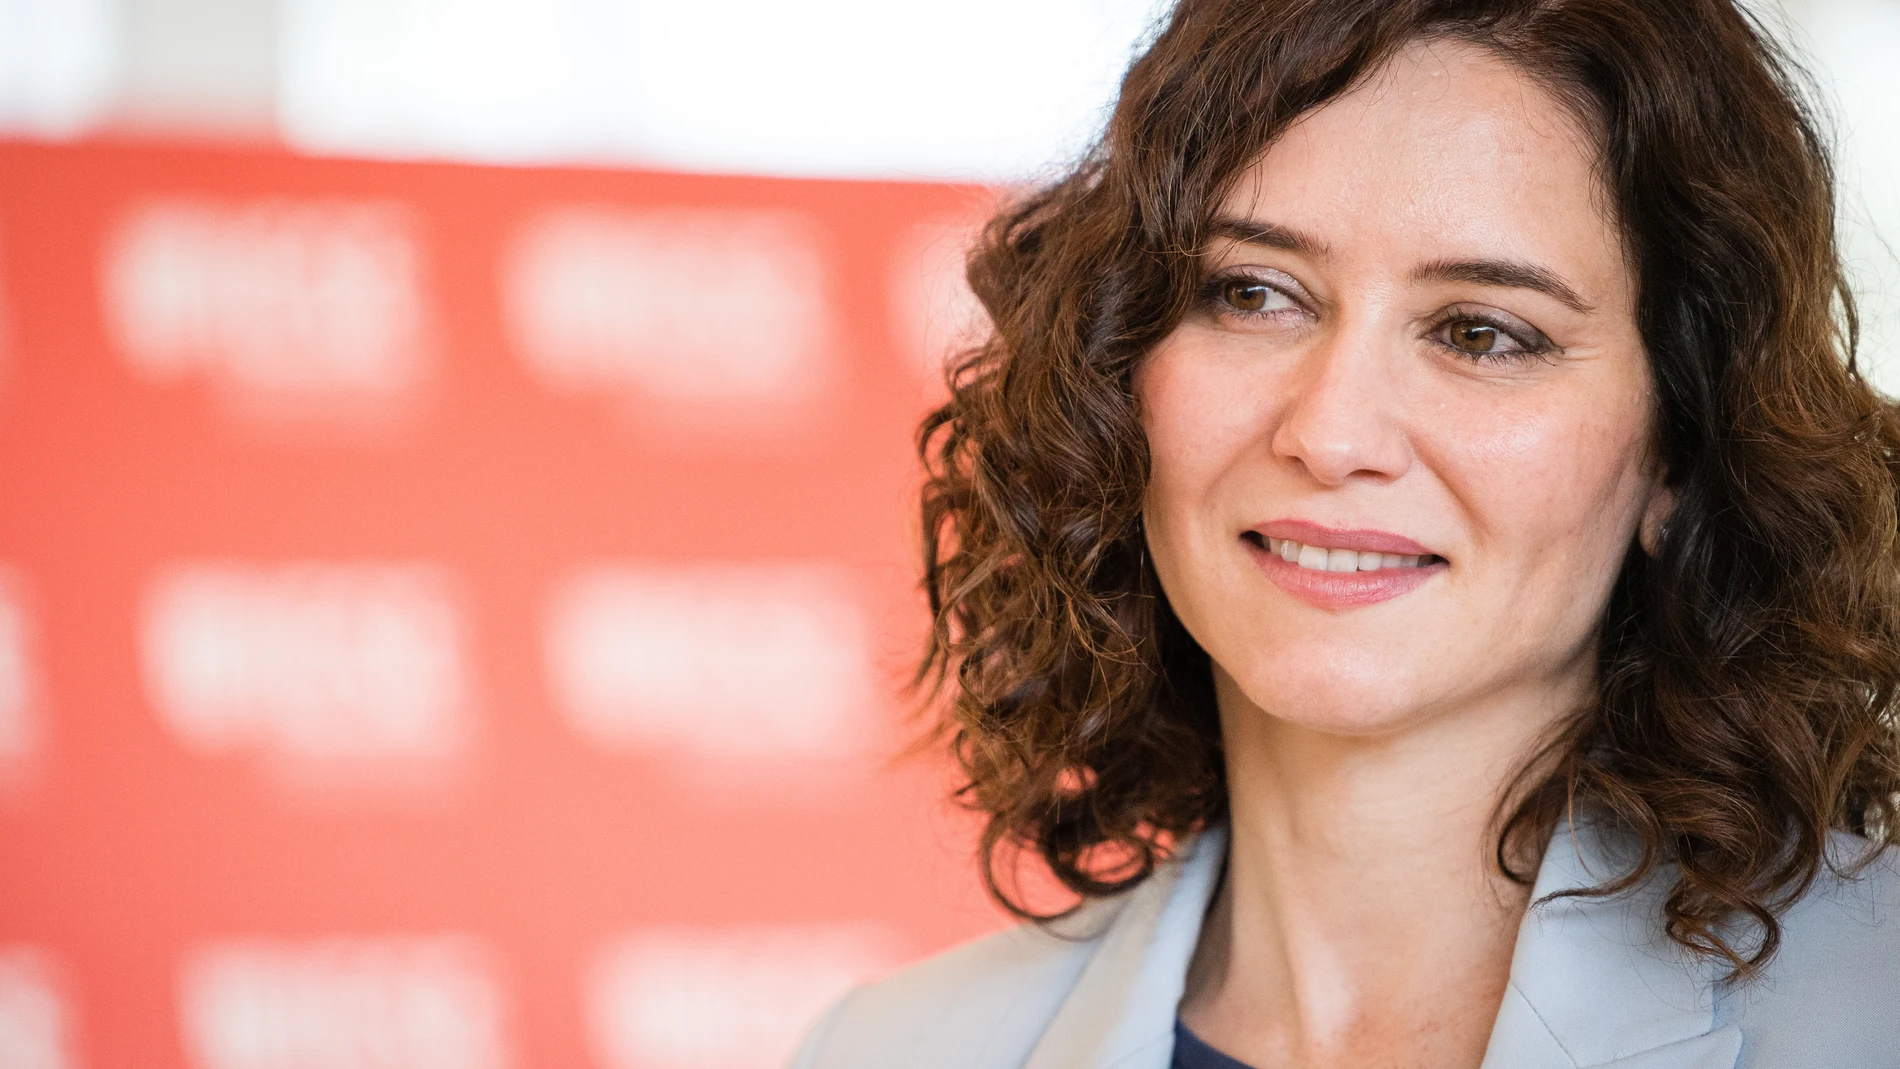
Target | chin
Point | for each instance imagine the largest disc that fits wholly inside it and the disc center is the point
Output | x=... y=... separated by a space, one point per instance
x=1353 y=696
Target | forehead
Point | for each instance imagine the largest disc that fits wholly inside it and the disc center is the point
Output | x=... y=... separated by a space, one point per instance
x=1445 y=150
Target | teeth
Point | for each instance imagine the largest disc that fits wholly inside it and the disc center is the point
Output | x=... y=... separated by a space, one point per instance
x=1321 y=559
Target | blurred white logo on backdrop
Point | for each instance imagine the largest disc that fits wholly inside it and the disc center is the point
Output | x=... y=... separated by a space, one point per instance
x=731 y=998
x=717 y=306
x=730 y=662
x=20 y=715
x=36 y=1025
x=338 y=675
x=292 y=309
x=343 y=1003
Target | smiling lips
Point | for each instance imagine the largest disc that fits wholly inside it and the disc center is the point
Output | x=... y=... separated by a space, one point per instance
x=1339 y=569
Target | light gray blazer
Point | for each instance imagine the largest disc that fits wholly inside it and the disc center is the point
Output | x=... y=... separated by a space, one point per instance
x=1593 y=983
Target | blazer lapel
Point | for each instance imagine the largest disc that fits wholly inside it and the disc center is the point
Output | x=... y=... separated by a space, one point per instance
x=1121 y=1011
x=1594 y=982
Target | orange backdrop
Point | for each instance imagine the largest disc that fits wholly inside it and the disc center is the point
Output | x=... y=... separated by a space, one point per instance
x=451 y=616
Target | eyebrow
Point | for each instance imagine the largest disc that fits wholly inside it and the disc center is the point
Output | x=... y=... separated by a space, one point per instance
x=1512 y=274
x=1508 y=273
x=1271 y=235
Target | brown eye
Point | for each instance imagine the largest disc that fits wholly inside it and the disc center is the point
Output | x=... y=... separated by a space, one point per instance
x=1474 y=336
x=1246 y=296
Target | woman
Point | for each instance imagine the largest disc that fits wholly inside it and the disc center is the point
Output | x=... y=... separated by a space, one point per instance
x=1416 y=558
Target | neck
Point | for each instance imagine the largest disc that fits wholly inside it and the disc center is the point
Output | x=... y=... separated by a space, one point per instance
x=1363 y=918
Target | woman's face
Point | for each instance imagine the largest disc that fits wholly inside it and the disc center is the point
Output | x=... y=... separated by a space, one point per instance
x=1401 y=447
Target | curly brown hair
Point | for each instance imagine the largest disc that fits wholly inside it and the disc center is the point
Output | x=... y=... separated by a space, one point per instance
x=1746 y=671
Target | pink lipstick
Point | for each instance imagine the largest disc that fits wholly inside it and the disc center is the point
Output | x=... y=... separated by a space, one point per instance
x=1337 y=568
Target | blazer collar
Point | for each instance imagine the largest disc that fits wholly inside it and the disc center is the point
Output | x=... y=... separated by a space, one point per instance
x=1120 y=1013
x=1596 y=982
x=1593 y=982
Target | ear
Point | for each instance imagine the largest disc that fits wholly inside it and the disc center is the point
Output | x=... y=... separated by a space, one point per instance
x=1662 y=505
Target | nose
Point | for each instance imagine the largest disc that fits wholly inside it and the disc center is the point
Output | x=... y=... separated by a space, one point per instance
x=1339 y=421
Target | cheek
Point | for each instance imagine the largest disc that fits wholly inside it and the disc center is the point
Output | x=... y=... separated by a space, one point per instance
x=1192 y=435
x=1552 y=481
x=1199 y=429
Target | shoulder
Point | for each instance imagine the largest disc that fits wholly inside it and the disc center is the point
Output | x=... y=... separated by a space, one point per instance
x=1845 y=931
x=984 y=1003
x=1836 y=977
x=1106 y=978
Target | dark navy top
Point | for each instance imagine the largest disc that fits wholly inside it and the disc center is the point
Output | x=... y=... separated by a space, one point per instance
x=1191 y=1053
